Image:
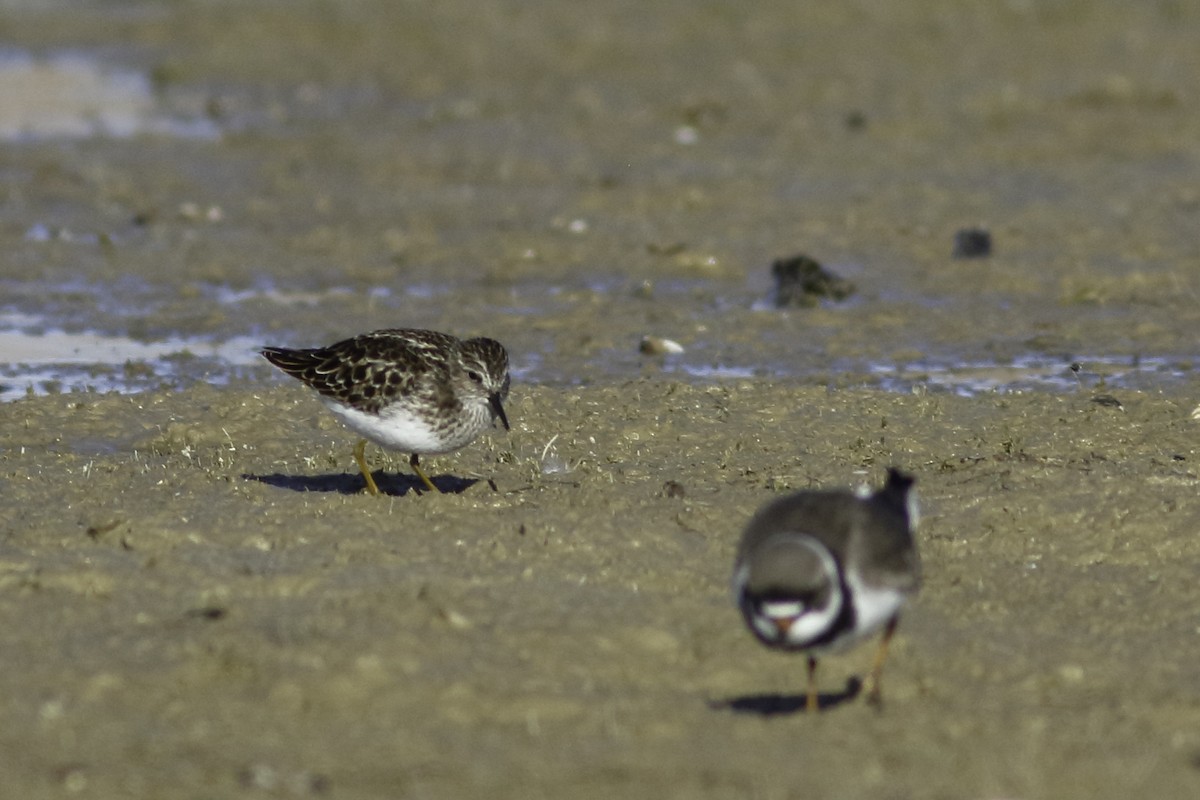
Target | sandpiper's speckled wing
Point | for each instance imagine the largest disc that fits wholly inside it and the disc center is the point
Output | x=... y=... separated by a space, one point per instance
x=373 y=370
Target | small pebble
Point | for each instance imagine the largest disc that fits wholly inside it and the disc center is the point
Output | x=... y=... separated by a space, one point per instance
x=972 y=243
x=673 y=489
x=856 y=120
x=686 y=134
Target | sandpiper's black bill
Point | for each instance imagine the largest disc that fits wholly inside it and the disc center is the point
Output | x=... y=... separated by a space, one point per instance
x=494 y=400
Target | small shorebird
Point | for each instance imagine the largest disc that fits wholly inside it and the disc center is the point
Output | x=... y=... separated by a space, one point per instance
x=417 y=391
x=818 y=571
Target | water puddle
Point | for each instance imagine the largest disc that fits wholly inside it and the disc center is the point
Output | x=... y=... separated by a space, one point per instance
x=1030 y=373
x=69 y=95
x=73 y=337
x=52 y=361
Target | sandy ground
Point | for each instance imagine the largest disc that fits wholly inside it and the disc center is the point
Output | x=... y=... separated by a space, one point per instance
x=198 y=602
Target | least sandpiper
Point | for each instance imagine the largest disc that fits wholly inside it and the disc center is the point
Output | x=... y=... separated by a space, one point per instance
x=420 y=392
x=818 y=571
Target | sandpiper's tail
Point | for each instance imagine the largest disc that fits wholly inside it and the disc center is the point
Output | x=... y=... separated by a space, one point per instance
x=294 y=362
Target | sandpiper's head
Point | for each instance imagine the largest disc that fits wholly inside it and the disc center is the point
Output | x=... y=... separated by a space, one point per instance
x=485 y=362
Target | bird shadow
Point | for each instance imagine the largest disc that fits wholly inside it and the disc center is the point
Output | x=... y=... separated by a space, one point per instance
x=396 y=485
x=775 y=705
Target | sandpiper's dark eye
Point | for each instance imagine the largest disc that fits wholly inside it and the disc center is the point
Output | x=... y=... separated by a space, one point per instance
x=475 y=376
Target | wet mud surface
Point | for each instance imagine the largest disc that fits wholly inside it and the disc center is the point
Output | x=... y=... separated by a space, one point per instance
x=197 y=600
x=570 y=182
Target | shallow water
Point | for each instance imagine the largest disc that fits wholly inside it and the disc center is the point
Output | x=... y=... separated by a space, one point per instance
x=71 y=94
x=42 y=356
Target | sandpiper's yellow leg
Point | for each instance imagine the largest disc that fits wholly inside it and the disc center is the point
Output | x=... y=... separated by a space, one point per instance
x=359 y=456
x=415 y=464
x=873 y=691
x=813 y=705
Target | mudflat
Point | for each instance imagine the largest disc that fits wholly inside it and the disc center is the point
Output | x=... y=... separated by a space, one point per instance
x=197 y=600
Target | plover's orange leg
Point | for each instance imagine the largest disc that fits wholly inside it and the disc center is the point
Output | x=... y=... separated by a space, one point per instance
x=872 y=687
x=813 y=703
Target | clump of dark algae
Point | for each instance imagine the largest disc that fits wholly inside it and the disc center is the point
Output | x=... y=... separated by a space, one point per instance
x=801 y=282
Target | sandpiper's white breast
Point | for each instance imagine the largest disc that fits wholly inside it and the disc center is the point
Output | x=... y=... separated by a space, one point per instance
x=397 y=428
